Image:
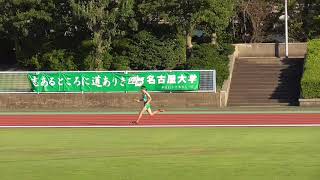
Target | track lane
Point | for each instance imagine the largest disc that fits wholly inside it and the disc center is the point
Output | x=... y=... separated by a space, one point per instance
x=91 y=120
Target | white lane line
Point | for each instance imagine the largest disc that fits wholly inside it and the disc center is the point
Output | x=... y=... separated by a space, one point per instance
x=171 y=126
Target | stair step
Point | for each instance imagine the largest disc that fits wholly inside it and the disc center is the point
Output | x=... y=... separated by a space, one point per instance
x=270 y=79
x=265 y=94
x=259 y=60
x=263 y=85
x=271 y=88
x=264 y=71
x=268 y=66
x=265 y=75
x=261 y=81
x=274 y=58
x=263 y=97
x=259 y=104
x=262 y=100
x=269 y=62
x=261 y=91
x=265 y=82
x=239 y=97
x=273 y=80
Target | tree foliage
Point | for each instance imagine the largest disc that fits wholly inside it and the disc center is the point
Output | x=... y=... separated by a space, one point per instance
x=186 y=15
x=102 y=18
x=143 y=34
x=55 y=60
x=27 y=24
x=263 y=20
x=207 y=56
x=311 y=13
x=146 y=51
x=310 y=82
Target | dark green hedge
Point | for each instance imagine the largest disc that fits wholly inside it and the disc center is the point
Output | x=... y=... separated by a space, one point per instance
x=147 y=51
x=310 y=82
x=207 y=56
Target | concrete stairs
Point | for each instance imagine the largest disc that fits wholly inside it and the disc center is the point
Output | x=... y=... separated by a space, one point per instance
x=266 y=82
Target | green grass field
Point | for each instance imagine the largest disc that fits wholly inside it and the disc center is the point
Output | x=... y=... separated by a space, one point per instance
x=160 y=154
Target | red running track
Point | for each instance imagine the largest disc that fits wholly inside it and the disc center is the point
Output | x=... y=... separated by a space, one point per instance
x=164 y=120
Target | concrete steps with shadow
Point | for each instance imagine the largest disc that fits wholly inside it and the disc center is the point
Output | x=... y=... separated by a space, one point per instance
x=266 y=82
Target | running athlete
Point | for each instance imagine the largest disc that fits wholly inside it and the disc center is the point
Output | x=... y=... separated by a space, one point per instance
x=146 y=98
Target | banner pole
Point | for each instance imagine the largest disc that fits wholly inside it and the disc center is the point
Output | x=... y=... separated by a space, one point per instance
x=286 y=28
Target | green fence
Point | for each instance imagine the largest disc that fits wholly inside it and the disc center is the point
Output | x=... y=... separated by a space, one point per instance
x=107 y=81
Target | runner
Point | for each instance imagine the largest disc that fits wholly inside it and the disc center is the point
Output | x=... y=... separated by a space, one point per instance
x=146 y=98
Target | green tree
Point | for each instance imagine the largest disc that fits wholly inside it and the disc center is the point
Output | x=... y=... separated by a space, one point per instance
x=27 y=24
x=253 y=19
x=311 y=14
x=208 y=56
x=86 y=33
x=38 y=28
x=186 y=15
x=55 y=60
x=146 y=51
x=102 y=18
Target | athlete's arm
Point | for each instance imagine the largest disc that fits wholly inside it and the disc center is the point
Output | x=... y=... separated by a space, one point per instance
x=149 y=97
x=138 y=100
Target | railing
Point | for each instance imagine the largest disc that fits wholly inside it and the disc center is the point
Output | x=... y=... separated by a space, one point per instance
x=18 y=82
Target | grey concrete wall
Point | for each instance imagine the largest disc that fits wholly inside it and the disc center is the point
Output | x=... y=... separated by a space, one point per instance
x=271 y=50
x=309 y=102
x=107 y=101
x=224 y=93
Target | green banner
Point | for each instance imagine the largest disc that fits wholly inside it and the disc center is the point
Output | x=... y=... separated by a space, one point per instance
x=114 y=82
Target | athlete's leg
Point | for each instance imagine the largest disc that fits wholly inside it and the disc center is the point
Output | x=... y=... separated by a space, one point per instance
x=140 y=114
x=154 y=112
